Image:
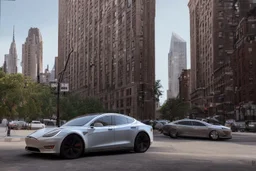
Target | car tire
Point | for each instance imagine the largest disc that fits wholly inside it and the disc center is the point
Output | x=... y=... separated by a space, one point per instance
x=142 y=143
x=214 y=135
x=72 y=147
x=173 y=133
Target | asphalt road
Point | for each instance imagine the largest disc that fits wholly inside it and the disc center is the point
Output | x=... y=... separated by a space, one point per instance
x=180 y=154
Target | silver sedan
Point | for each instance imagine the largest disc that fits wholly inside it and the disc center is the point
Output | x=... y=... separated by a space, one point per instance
x=96 y=132
x=196 y=128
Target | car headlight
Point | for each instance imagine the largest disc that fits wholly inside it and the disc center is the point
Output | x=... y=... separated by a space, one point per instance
x=226 y=128
x=51 y=133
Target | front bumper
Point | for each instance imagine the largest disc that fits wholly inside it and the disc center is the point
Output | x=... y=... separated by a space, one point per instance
x=225 y=134
x=43 y=145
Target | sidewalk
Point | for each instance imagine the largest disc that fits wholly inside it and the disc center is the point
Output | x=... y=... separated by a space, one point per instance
x=16 y=135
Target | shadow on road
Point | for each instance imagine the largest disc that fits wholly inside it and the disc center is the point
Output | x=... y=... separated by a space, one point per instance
x=237 y=139
x=57 y=157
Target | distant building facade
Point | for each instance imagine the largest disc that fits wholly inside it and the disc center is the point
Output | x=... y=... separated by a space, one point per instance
x=45 y=77
x=244 y=66
x=10 y=60
x=115 y=57
x=177 y=61
x=212 y=32
x=184 y=85
x=32 y=54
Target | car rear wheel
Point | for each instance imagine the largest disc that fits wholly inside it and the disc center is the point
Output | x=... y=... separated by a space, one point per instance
x=173 y=133
x=142 y=143
x=72 y=147
x=214 y=135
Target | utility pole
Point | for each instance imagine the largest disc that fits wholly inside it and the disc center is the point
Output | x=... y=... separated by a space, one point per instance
x=59 y=86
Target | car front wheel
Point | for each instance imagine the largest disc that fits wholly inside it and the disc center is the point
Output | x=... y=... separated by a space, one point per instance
x=214 y=135
x=72 y=147
x=142 y=143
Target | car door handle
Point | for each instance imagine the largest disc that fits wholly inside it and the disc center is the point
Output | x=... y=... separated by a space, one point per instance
x=110 y=129
x=133 y=127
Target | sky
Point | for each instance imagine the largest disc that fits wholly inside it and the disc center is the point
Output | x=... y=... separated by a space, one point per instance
x=171 y=16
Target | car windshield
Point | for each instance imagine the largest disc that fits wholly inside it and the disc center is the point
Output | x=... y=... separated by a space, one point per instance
x=81 y=121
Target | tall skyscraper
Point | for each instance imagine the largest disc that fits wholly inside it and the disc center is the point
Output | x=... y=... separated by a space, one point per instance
x=115 y=56
x=32 y=54
x=177 y=61
x=11 y=58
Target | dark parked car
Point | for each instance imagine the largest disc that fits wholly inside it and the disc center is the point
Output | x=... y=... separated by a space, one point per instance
x=250 y=126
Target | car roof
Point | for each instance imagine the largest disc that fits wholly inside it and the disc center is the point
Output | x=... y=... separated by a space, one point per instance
x=190 y=120
x=102 y=114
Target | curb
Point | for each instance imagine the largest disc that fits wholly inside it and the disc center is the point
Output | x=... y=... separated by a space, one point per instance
x=12 y=139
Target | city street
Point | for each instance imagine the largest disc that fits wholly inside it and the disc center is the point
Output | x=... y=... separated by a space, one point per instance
x=180 y=154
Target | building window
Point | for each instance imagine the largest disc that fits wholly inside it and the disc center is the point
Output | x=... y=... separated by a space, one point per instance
x=220 y=34
x=253 y=25
x=250 y=50
x=129 y=3
x=220 y=13
x=220 y=25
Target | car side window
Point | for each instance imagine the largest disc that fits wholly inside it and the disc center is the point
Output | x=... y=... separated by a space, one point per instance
x=186 y=123
x=105 y=121
x=120 y=120
x=130 y=120
x=197 y=123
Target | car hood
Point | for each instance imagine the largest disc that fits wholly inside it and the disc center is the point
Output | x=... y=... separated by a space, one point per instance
x=41 y=132
x=219 y=127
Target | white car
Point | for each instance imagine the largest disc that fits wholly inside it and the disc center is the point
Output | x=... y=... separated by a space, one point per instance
x=95 y=132
x=36 y=125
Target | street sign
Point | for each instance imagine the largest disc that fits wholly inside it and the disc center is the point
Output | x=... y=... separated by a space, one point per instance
x=64 y=87
x=54 y=85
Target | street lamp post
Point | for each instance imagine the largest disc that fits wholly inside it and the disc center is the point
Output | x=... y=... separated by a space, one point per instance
x=58 y=87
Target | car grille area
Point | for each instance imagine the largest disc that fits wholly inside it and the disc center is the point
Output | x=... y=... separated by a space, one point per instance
x=33 y=149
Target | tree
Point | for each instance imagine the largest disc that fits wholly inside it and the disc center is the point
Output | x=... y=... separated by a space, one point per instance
x=174 y=109
x=157 y=90
x=74 y=105
x=21 y=97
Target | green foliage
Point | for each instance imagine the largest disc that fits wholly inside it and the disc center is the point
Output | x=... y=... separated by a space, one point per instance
x=157 y=90
x=74 y=105
x=20 y=97
x=23 y=98
x=174 y=109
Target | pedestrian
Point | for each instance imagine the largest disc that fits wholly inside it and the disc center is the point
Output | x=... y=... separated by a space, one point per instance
x=8 y=128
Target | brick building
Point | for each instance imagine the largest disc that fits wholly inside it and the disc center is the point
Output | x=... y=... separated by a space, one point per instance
x=244 y=66
x=202 y=35
x=115 y=56
x=212 y=26
x=184 y=85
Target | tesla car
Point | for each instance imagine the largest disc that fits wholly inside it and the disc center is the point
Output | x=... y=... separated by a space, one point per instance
x=196 y=128
x=90 y=133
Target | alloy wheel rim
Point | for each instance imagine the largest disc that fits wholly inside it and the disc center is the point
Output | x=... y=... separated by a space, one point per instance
x=214 y=135
x=174 y=133
x=72 y=146
x=143 y=142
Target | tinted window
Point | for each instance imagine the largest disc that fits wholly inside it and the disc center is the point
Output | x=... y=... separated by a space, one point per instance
x=188 y=123
x=198 y=123
x=80 y=121
x=130 y=120
x=105 y=120
x=120 y=120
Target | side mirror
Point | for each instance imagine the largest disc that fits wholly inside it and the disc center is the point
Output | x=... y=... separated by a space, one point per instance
x=97 y=124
